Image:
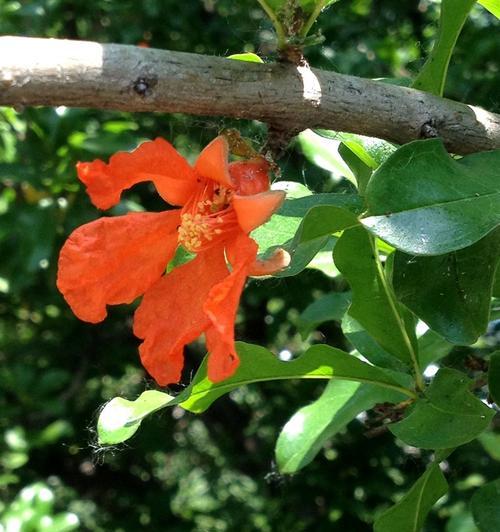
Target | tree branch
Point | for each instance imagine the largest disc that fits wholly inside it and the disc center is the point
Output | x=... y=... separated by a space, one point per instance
x=287 y=97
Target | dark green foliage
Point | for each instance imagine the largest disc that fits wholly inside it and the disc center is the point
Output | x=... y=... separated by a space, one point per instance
x=214 y=471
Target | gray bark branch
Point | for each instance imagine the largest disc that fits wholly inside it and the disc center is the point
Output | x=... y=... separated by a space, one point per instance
x=288 y=98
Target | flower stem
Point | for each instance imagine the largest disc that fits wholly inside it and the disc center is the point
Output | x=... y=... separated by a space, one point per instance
x=314 y=15
x=280 y=32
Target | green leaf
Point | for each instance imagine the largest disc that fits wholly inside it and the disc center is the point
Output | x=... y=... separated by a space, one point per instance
x=373 y=303
x=493 y=6
x=372 y=151
x=323 y=260
x=330 y=307
x=494 y=377
x=424 y=202
x=324 y=153
x=247 y=56
x=485 y=506
x=120 y=418
x=409 y=514
x=491 y=443
x=451 y=292
x=303 y=226
x=432 y=77
x=309 y=428
x=360 y=170
x=432 y=347
x=368 y=347
x=258 y=364
x=448 y=415
x=496 y=284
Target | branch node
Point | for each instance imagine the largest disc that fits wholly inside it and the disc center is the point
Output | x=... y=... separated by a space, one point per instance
x=429 y=130
x=143 y=86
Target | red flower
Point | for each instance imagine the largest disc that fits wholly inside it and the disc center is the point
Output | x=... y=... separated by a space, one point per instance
x=115 y=260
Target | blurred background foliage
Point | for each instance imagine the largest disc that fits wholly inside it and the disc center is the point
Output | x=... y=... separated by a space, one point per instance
x=182 y=472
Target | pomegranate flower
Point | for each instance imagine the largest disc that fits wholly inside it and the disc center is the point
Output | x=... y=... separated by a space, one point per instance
x=114 y=260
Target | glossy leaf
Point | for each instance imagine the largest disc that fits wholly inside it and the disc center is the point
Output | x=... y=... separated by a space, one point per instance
x=368 y=347
x=120 y=418
x=309 y=428
x=360 y=170
x=324 y=153
x=258 y=364
x=330 y=307
x=447 y=416
x=373 y=303
x=409 y=514
x=494 y=377
x=493 y=6
x=303 y=226
x=323 y=260
x=432 y=77
x=451 y=292
x=372 y=151
x=424 y=202
x=485 y=505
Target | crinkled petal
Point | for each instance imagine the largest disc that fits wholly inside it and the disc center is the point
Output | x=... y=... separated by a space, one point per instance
x=114 y=260
x=223 y=360
x=171 y=313
x=156 y=161
x=253 y=211
x=221 y=307
x=250 y=176
x=212 y=162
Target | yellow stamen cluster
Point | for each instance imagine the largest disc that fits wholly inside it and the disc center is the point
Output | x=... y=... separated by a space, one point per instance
x=194 y=230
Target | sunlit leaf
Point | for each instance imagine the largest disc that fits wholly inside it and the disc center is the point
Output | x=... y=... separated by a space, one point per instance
x=258 y=364
x=373 y=303
x=492 y=5
x=120 y=418
x=432 y=77
x=247 y=56
x=310 y=427
x=304 y=224
x=424 y=202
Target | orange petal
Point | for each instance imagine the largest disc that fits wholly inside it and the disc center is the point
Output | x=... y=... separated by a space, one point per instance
x=212 y=162
x=114 y=260
x=223 y=359
x=255 y=210
x=250 y=177
x=279 y=260
x=171 y=313
x=155 y=161
x=221 y=307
